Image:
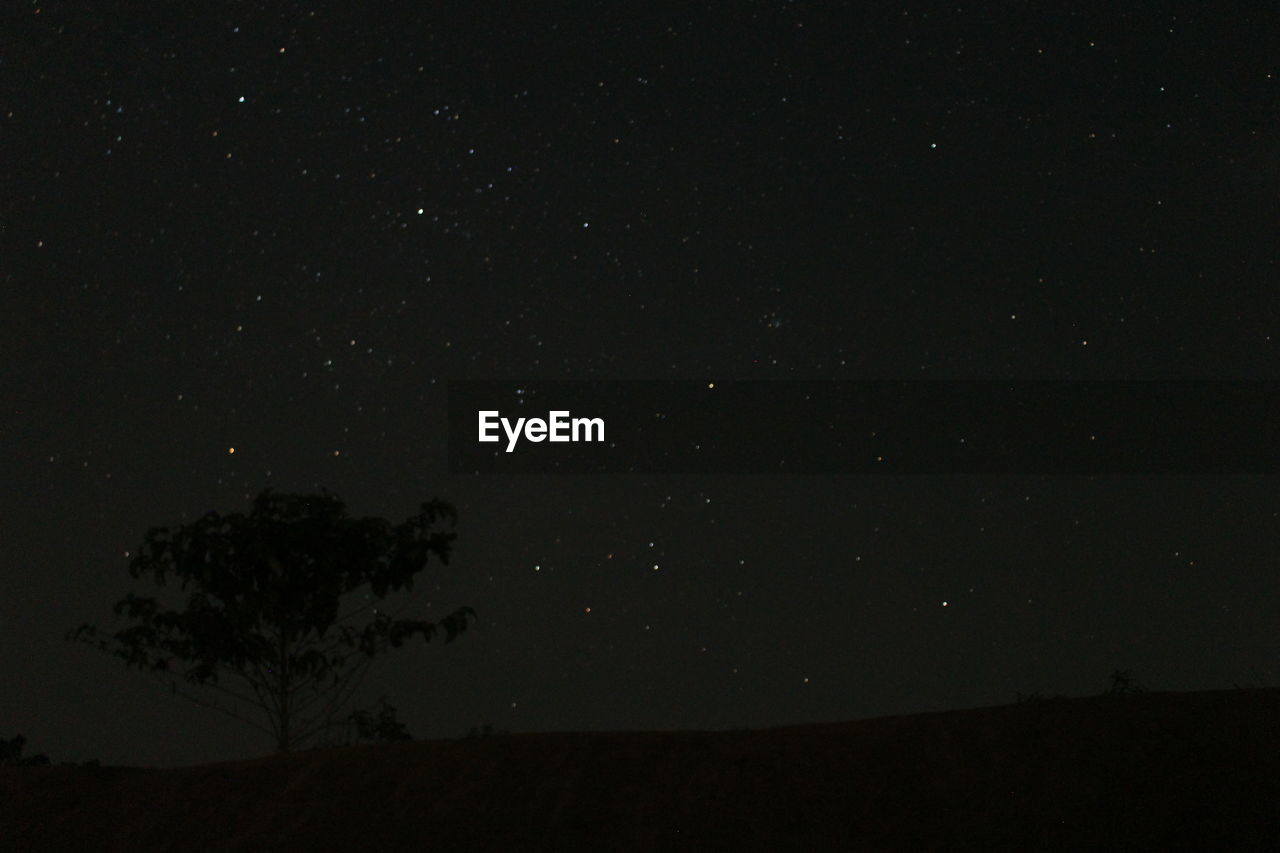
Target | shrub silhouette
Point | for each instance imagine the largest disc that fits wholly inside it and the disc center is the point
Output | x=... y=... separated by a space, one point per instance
x=11 y=754
x=271 y=605
x=1124 y=684
x=486 y=730
x=382 y=727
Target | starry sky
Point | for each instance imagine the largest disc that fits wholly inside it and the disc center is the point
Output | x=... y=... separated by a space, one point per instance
x=284 y=228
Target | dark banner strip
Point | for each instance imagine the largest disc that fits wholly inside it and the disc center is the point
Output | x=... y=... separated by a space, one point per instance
x=874 y=427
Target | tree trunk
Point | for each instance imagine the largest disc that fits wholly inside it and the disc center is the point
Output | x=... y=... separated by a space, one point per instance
x=284 y=745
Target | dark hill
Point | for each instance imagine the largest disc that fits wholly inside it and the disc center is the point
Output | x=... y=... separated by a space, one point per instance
x=1161 y=771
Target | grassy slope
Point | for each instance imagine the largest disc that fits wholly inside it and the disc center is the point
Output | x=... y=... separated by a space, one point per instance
x=1157 y=771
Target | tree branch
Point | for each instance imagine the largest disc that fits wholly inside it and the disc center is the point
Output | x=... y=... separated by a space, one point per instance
x=339 y=697
x=214 y=706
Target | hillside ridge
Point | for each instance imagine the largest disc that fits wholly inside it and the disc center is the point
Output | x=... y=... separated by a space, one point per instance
x=1150 y=771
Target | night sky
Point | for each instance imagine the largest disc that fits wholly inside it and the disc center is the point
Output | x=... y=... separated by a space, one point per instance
x=284 y=228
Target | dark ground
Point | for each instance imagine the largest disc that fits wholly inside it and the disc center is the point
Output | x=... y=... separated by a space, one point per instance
x=1157 y=771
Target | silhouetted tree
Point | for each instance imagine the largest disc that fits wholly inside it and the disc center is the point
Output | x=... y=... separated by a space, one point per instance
x=382 y=728
x=1124 y=684
x=378 y=725
x=11 y=754
x=266 y=607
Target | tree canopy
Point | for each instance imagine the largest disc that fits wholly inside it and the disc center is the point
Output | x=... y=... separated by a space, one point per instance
x=272 y=598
